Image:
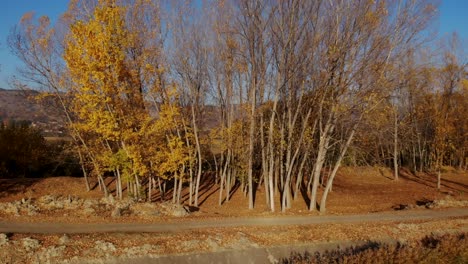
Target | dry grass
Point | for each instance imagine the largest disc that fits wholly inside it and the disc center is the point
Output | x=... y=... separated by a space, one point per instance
x=356 y=190
x=449 y=248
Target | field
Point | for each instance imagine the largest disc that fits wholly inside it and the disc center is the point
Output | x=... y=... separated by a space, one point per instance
x=356 y=190
x=363 y=190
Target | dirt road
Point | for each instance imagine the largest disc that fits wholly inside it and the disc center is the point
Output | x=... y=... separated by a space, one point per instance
x=190 y=224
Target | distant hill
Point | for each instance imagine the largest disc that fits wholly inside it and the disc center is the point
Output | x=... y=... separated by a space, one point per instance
x=48 y=116
x=23 y=105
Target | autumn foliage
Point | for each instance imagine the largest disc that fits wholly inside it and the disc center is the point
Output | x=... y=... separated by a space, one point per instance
x=249 y=94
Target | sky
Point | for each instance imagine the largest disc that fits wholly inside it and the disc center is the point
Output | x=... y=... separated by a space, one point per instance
x=453 y=16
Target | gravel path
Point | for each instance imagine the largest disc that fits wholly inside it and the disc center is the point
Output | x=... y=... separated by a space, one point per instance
x=190 y=224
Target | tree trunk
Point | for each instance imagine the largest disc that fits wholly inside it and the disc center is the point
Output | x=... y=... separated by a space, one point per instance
x=150 y=189
x=118 y=184
x=335 y=170
x=291 y=161
x=103 y=185
x=231 y=183
x=438 y=179
x=316 y=176
x=85 y=173
x=264 y=161
x=321 y=154
x=174 y=190
x=191 y=186
x=223 y=179
x=179 y=191
x=395 y=146
x=251 y=147
x=161 y=190
x=199 y=156
x=221 y=186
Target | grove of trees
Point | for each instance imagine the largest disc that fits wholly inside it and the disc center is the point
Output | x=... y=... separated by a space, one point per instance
x=25 y=153
x=167 y=95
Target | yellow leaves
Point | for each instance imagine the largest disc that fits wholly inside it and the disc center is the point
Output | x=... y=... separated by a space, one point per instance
x=232 y=138
x=308 y=136
x=105 y=101
x=36 y=41
x=371 y=17
x=167 y=139
x=464 y=85
x=333 y=51
x=173 y=160
x=27 y=17
x=44 y=96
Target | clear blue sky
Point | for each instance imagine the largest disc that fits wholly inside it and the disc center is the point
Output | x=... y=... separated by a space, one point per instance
x=11 y=12
x=453 y=17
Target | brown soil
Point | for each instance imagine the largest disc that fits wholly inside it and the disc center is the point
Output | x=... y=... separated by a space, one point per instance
x=356 y=191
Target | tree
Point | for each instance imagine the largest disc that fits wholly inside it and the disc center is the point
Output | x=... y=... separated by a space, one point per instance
x=451 y=76
x=189 y=60
x=24 y=150
x=287 y=87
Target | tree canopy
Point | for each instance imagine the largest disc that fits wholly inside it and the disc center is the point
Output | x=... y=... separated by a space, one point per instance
x=249 y=93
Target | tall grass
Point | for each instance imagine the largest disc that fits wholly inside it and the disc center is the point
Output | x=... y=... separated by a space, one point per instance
x=451 y=248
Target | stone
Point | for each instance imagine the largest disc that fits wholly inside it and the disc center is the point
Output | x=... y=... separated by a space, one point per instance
x=138 y=250
x=46 y=199
x=54 y=252
x=64 y=239
x=88 y=211
x=30 y=243
x=213 y=244
x=89 y=203
x=109 y=200
x=3 y=239
x=104 y=246
x=117 y=212
x=172 y=209
x=10 y=208
x=190 y=244
x=31 y=210
x=145 y=209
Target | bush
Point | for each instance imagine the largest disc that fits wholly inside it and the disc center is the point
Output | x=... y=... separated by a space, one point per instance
x=431 y=249
x=25 y=153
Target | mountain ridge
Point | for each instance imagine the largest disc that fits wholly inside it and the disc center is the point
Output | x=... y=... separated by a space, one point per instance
x=23 y=105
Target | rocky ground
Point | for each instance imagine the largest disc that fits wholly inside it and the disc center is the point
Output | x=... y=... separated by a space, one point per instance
x=109 y=248
x=76 y=207
x=119 y=247
x=62 y=200
x=72 y=208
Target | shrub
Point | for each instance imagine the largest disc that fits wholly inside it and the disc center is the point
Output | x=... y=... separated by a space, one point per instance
x=25 y=153
x=451 y=248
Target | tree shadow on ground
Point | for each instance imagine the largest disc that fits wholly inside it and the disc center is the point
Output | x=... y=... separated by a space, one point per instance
x=10 y=187
x=231 y=193
x=383 y=174
x=205 y=187
x=95 y=184
x=430 y=180
x=456 y=183
x=305 y=195
x=208 y=196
